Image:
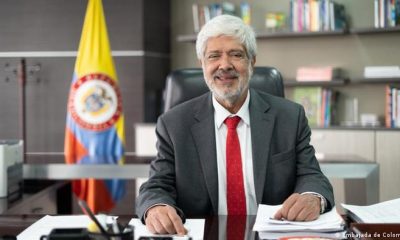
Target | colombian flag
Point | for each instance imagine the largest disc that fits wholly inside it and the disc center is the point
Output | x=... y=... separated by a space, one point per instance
x=95 y=123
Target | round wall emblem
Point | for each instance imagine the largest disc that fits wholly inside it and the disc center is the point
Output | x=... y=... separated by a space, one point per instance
x=95 y=102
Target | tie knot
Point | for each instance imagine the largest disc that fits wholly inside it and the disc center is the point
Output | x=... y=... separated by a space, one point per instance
x=232 y=122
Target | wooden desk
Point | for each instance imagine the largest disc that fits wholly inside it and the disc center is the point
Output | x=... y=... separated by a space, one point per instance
x=214 y=227
x=374 y=231
x=15 y=224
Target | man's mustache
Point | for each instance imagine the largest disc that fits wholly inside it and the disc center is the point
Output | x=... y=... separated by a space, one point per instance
x=226 y=74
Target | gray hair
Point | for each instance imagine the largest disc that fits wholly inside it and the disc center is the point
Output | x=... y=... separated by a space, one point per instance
x=227 y=25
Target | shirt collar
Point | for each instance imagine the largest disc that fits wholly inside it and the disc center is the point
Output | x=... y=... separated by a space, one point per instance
x=221 y=113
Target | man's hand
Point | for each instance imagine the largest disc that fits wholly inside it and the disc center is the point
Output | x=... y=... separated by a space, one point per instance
x=297 y=207
x=164 y=220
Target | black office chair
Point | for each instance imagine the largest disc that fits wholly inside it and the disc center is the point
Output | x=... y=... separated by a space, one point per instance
x=185 y=84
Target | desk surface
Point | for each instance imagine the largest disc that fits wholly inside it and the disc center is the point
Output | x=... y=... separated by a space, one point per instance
x=15 y=224
x=214 y=227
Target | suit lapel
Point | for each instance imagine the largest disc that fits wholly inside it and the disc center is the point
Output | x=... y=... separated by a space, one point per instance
x=262 y=122
x=204 y=137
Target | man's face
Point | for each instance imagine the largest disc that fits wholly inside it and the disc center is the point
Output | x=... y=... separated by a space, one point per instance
x=227 y=68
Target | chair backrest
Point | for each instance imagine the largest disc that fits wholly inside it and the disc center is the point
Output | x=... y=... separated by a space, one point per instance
x=185 y=84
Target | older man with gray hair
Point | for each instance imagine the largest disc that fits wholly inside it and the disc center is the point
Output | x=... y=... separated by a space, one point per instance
x=227 y=151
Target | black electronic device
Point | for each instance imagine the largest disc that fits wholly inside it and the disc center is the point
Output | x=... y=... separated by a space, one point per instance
x=67 y=234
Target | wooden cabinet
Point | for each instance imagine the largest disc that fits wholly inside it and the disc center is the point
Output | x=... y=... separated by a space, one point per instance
x=388 y=157
x=348 y=146
x=344 y=145
x=380 y=146
x=45 y=201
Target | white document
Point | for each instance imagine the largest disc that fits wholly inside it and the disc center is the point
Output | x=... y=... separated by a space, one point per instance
x=384 y=212
x=327 y=222
x=195 y=229
x=307 y=235
x=44 y=225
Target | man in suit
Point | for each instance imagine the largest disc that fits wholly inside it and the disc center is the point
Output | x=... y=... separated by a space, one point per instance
x=232 y=148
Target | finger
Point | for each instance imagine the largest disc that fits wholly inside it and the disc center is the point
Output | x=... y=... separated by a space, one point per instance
x=293 y=212
x=288 y=203
x=150 y=227
x=312 y=216
x=303 y=215
x=155 y=218
x=313 y=213
x=177 y=222
x=157 y=225
x=166 y=221
x=301 y=203
x=278 y=215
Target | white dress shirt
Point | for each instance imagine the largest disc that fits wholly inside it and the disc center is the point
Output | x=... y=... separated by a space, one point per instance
x=244 y=134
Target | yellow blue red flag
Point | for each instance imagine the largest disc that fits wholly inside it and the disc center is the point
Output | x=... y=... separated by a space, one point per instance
x=95 y=123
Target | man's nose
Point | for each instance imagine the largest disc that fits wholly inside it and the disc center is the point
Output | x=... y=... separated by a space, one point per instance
x=225 y=62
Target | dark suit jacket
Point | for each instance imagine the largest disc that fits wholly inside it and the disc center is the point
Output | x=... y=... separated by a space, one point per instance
x=184 y=173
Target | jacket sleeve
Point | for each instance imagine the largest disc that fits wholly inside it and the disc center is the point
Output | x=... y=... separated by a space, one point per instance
x=160 y=187
x=309 y=175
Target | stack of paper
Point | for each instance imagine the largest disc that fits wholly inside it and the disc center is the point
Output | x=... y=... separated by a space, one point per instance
x=194 y=227
x=329 y=225
x=384 y=212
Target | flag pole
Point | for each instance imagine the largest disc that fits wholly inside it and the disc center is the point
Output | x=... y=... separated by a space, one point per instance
x=22 y=110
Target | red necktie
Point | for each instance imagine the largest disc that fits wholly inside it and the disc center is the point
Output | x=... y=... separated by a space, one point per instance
x=236 y=227
x=236 y=201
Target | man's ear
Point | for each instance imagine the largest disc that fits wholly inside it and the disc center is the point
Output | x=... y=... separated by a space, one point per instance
x=200 y=63
x=253 y=61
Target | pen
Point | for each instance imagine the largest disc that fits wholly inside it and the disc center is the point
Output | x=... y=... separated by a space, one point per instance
x=281 y=219
x=115 y=228
x=115 y=225
x=85 y=208
x=183 y=237
x=165 y=237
